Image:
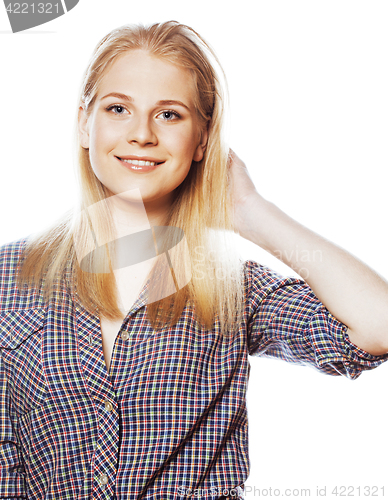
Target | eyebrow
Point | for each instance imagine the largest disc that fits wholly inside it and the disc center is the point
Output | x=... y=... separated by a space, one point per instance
x=128 y=98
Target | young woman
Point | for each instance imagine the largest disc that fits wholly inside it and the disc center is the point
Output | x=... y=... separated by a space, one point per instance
x=125 y=329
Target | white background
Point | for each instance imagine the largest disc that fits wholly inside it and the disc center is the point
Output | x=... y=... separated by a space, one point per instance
x=308 y=87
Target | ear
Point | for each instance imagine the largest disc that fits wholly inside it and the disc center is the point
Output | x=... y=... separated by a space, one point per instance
x=200 y=150
x=83 y=128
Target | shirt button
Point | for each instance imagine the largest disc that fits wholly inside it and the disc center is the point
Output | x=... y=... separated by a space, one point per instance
x=124 y=335
x=103 y=479
x=108 y=405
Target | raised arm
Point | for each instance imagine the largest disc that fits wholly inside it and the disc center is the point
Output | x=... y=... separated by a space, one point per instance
x=353 y=293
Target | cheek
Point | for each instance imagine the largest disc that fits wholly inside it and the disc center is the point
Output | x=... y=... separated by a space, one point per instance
x=182 y=144
x=101 y=143
x=105 y=135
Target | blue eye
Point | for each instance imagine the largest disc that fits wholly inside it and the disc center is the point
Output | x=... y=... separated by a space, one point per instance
x=171 y=114
x=117 y=107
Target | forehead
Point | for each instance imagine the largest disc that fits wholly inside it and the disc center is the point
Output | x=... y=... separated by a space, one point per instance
x=139 y=74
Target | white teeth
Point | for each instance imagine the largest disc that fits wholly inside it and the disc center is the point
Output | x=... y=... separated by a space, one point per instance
x=140 y=163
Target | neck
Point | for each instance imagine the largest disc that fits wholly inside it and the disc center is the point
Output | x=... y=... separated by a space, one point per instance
x=131 y=214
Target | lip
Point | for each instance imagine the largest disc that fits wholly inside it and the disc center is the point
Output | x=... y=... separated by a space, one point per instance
x=140 y=158
x=138 y=168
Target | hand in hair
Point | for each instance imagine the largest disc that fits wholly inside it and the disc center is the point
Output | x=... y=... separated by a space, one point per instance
x=243 y=193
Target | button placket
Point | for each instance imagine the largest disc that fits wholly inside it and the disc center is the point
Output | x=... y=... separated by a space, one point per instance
x=124 y=335
x=108 y=405
x=102 y=480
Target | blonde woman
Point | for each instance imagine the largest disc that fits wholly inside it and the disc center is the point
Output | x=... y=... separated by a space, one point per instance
x=125 y=329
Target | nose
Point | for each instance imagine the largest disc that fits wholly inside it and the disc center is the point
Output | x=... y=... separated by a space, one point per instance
x=141 y=132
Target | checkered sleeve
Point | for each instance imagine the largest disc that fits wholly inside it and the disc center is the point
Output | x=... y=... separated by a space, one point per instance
x=12 y=471
x=12 y=474
x=287 y=321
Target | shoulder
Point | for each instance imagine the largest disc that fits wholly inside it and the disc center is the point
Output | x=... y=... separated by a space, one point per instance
x=262 y=279
x=11 y=298
x=12 y=249
x=266 y=286
x=10 y=254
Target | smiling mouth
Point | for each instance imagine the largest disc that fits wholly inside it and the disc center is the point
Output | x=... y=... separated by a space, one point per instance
x=141 y=163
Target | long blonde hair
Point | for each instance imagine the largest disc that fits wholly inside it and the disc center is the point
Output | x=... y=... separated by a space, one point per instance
x=202 y=207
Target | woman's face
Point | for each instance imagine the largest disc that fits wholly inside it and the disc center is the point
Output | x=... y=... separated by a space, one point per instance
x=130 y=120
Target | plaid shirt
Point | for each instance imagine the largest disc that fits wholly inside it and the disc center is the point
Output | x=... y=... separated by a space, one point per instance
x=170 y=419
